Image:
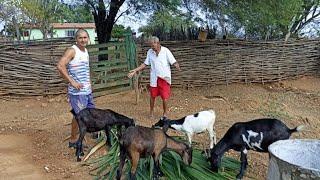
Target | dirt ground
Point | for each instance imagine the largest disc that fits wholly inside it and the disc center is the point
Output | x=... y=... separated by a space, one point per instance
x=32 y=130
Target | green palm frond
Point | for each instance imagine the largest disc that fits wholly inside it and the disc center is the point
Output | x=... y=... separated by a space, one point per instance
x=171 y=165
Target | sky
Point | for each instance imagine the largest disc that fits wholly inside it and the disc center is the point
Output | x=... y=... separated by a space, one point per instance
x=130 y=21
x=127 y=21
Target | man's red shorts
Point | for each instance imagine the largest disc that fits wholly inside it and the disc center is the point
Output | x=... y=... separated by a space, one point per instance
x=162 y=89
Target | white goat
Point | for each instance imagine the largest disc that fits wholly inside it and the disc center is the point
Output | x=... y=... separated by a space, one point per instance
x=195 y=123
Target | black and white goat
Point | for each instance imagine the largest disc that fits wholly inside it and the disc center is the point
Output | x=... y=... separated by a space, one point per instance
x=195 y=123
x=93 y=120
x=252 y=135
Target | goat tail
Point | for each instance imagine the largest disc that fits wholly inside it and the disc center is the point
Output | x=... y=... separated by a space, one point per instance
x=213 y=116
x=297 y=129
x=212 y=112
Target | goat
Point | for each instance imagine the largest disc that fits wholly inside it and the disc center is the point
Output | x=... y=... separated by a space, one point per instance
x=93 y=120
x=195 y=123
x=139 y=142
x=255 y=135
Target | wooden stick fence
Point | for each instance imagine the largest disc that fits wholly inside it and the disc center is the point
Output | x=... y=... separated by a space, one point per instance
x=217 y=62
x=30 y=69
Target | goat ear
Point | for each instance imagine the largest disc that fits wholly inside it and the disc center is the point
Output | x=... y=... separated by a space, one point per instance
x=163 y=118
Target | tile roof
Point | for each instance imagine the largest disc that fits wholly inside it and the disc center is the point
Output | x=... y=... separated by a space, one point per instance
x=73 y=25
x=66 y=25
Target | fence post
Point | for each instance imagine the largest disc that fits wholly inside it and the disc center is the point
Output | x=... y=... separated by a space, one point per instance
x=132 y=63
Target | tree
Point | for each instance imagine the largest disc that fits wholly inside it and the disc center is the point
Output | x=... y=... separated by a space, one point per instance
x=119 y=30
x=308 y=13
x=41 y=13
x=10 y=17
x=164 y=23
x=104 y=20
x=264 y=19
x=75 y=13
x=214 y=13
x=106 y=16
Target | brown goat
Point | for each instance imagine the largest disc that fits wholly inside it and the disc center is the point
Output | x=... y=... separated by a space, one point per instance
x=139 y=142
x=93 y=120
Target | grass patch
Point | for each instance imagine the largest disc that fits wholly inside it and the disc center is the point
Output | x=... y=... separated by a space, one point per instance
x=274 y=109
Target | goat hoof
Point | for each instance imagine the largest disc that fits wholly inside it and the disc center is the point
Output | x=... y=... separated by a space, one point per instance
x=95 y=135
x=72 y=145
x=118 y=176
x=160 y=173
x=239 y=177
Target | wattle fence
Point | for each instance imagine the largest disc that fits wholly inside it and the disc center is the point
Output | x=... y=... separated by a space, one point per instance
x=30 y=69
x=216 y=62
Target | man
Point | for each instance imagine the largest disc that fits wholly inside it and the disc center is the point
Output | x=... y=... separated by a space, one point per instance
x=159 y=58
x=74 y=67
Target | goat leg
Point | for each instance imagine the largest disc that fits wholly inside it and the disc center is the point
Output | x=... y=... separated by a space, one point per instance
x=107 y=130
x=134 y=157
x=132 y=176
x=122 y=161
x=190 y=138
x=244 y=163
x=79 y=151
x=119 y=130
x=212 y=135
x=156 y=170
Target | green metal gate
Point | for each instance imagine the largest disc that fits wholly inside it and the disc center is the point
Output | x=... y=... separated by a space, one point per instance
x=109 y=75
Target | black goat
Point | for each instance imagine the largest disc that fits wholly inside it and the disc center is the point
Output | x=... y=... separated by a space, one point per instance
x=138 y=142
x=253 y=135
x=93 y=120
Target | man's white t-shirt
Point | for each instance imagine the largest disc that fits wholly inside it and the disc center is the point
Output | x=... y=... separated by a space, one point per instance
x=160 y=65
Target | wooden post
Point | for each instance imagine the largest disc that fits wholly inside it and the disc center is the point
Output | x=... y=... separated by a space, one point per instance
x=202 y=35
x=136 y=87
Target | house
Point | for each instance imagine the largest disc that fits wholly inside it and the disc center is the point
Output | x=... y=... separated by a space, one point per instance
x=61 y=30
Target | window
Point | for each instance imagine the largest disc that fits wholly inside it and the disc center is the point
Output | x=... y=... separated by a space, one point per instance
x=25 y=33
x=70 y=33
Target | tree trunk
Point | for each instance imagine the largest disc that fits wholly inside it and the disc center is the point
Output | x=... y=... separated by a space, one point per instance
x=287 y=36
x=44 y=33
x=15 y=23
x=104 y=23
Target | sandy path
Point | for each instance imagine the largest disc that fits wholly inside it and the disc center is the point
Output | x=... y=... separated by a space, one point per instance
x=16 y=159
x=32 y=130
